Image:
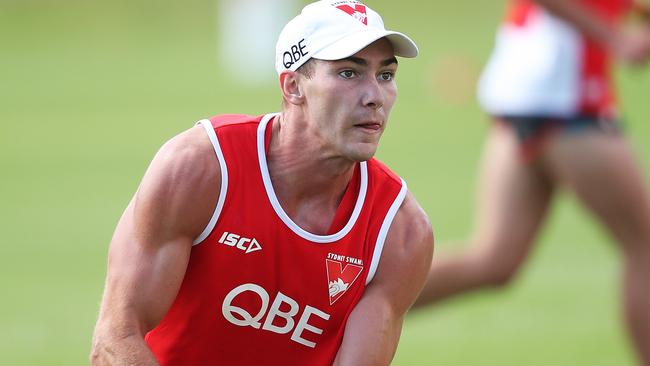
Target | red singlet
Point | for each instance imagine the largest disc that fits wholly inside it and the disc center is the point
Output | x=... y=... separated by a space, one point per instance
x=259 y=290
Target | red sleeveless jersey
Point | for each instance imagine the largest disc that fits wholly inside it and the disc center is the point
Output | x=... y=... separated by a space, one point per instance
x=259 y=290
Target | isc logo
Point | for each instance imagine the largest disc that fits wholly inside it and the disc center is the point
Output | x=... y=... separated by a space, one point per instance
x=246 y=244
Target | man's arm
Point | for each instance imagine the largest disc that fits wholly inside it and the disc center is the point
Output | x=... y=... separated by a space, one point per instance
x=374 y=326
x=630 y=46
x=151 y=245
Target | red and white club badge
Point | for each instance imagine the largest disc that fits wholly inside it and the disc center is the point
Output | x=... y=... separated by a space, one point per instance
x=340 y=277
x=358 y=12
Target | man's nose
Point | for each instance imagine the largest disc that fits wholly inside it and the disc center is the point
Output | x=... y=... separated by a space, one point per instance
x=373 y=96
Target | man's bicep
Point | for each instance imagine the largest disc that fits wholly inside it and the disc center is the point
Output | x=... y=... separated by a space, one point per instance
x=152 y=242
x=144 y=274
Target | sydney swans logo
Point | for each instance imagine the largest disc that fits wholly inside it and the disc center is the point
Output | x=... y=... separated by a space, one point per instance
x=358 y=12
x=342 y=271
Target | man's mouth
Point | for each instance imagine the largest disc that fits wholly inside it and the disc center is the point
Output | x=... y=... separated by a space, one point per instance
x=369 y=126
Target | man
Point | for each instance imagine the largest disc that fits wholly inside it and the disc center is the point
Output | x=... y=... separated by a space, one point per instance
x=548 y=87
x=278 y=239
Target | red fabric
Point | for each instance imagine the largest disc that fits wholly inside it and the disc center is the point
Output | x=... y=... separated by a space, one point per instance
x=293 y=271
x=610 y=10
x=597 y=95
x=519 y=12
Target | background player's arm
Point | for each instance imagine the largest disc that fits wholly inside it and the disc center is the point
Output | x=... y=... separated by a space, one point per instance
x=631 y=46
x=582 y=18
x=375 y=324
x=150 y=248
x=641 y=9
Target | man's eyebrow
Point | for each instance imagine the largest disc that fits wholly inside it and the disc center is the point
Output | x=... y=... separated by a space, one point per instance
x=392 y=60
x=356 y=60
x=363 y=62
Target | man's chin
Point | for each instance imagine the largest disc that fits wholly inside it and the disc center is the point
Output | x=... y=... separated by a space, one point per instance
x=364 y=152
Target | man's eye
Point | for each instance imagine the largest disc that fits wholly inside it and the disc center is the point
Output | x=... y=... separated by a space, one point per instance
x=347 y=73
x=386 y=76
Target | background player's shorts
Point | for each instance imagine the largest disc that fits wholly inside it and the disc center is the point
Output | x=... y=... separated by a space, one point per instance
x=533 y=132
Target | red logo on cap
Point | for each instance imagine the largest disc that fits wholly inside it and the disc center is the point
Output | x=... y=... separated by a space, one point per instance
x=358 y=12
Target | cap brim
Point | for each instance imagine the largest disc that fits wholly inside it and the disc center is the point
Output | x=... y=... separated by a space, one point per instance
x=403 y=46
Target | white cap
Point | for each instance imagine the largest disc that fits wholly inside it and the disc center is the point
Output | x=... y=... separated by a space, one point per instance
x=334 y=30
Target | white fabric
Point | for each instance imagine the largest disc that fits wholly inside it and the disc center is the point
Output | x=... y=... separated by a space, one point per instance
x=533 y=69
x=207 y=125
x=333 y=30
x=383 y=231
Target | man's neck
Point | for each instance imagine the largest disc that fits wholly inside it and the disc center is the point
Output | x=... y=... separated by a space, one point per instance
x=308 y=183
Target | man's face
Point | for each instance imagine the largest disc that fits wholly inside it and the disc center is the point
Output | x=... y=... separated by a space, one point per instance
x=348 y=101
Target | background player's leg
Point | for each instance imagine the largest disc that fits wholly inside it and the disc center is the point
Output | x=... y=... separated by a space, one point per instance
x=513 y=198
x=603 y=173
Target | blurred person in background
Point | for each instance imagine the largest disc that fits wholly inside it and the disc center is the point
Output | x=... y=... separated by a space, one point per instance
x=276 y=239
x=548 y=88
x=246 y=31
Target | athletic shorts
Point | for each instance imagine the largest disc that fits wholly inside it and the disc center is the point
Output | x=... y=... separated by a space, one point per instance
x=533 y=132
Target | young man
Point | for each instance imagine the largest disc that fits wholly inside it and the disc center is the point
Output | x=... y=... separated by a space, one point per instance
x=548 y=87
x=276 y=239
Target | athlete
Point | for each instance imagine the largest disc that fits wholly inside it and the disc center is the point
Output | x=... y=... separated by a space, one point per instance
x=276 y=239
x=548 y=88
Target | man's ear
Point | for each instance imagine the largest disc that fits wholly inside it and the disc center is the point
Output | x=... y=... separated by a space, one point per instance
x=290 y=85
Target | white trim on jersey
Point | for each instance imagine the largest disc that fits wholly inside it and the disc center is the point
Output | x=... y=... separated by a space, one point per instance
x=383 y=231
x=363 y=187
x=224 y=181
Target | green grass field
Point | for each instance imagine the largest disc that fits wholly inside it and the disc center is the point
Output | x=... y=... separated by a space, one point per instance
x=90 y=90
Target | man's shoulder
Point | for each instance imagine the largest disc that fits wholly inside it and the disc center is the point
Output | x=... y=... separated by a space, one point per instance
x=406 y=256
x=187 y=146
x=411 y=234
x=179 y=189
x=188 y=158
x=191 y=153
